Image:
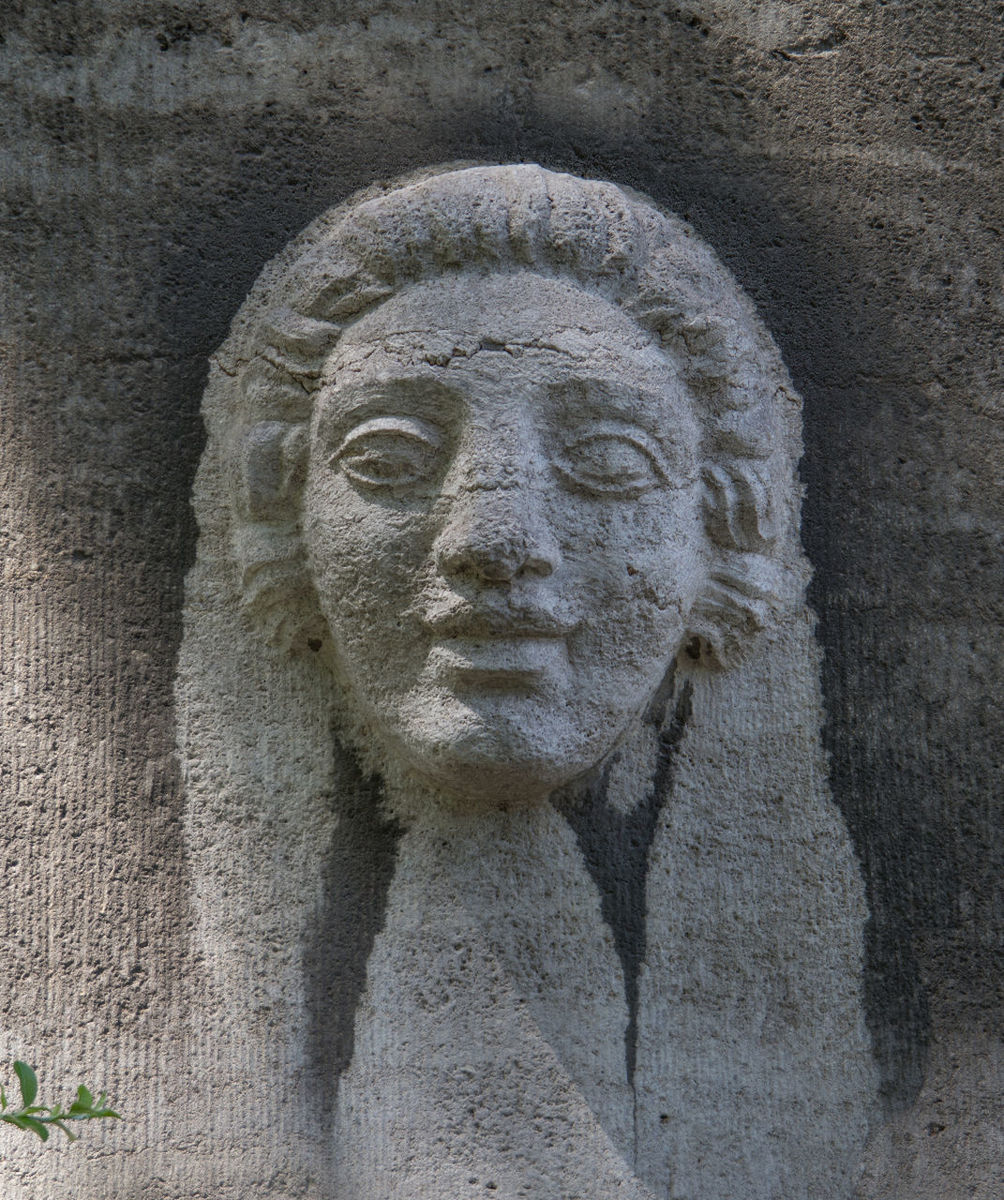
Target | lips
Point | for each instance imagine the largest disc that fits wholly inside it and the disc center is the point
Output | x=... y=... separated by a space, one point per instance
x=497 y=622
x=494 y=646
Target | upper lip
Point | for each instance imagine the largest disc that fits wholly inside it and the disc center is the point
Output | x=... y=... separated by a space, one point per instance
x=512 y=620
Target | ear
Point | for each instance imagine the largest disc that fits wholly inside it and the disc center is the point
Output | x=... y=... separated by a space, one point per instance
x=738 y=505
x=272 y=470
x=276 y=591
x=745 y=588
x=736 y=604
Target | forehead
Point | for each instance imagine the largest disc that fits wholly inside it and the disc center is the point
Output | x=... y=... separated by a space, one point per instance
x=448 y=322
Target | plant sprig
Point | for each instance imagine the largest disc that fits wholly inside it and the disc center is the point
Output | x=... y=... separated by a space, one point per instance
x=37 y=1117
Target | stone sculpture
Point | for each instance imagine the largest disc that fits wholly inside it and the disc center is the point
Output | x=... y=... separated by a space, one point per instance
x=501 y=472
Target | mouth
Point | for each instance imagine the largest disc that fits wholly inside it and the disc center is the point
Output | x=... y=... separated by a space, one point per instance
x=496 y=662
x=497 y=647
x=509 y=623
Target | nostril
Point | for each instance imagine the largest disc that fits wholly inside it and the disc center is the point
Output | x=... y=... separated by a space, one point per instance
x=495 y=560
x=537 y=565
x=497 y=535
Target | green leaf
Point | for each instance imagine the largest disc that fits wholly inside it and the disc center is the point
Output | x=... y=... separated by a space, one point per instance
x=29 y=1083
x=29 y=1123
x=35 y=1126
x=60 y=1125
x=84 y=1108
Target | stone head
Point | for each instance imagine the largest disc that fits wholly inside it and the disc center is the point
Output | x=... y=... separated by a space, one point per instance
x=504 y=449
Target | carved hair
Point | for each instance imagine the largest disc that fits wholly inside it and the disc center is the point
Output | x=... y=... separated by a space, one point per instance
x=650 y=264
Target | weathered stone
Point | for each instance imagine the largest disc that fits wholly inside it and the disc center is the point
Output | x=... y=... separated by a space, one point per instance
x=533 y=557
x=842 y=160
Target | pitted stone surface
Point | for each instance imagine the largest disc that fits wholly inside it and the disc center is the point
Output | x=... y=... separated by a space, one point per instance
x=500 y=479
x=843 y=160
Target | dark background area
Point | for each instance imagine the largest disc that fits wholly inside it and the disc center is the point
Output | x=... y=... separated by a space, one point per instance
x=844 y=161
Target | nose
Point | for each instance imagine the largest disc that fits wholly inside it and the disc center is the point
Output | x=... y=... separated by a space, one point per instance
x=497 y=534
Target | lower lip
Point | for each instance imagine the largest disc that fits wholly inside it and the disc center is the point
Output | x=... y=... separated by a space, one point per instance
x=496 y=660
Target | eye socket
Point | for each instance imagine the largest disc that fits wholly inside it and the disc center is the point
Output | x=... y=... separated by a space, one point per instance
x=611 y=461
x=389 y=452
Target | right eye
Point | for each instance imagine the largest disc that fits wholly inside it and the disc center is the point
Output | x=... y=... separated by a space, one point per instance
x=389 y=452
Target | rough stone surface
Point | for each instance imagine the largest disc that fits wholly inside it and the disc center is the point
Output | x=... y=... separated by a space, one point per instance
x=503 y=466
x=843 y=161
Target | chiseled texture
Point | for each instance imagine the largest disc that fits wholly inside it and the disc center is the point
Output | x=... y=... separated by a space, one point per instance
x=843 y=161
x=514 y=1028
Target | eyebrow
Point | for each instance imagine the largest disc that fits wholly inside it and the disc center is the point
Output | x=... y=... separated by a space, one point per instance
x=600 y=396
x=590 y=394
x=400 y=394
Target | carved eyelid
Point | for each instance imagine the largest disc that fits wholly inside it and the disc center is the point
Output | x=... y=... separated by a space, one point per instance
x=410 y=427
x=632 y=434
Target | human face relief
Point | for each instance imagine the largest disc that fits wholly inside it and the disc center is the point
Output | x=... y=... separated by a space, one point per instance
x=502 y=524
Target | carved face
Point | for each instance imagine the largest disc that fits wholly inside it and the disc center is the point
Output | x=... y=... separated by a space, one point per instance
x=502 y=525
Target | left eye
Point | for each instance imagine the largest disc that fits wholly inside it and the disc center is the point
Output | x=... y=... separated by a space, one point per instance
x=610 y=464
x=388 y=454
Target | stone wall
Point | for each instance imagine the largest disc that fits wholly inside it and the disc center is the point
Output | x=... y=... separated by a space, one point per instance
x=843 y=161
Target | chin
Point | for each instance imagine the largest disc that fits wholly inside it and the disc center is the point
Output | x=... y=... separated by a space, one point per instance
x=491 y=767
x=491 y=751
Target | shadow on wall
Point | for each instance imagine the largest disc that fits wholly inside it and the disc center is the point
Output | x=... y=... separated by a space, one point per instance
x=802 y=277
x=356 y=881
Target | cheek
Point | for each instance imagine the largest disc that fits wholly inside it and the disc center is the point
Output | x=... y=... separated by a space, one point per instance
x=639 y=569
x=650 y=549
x=367 y=560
